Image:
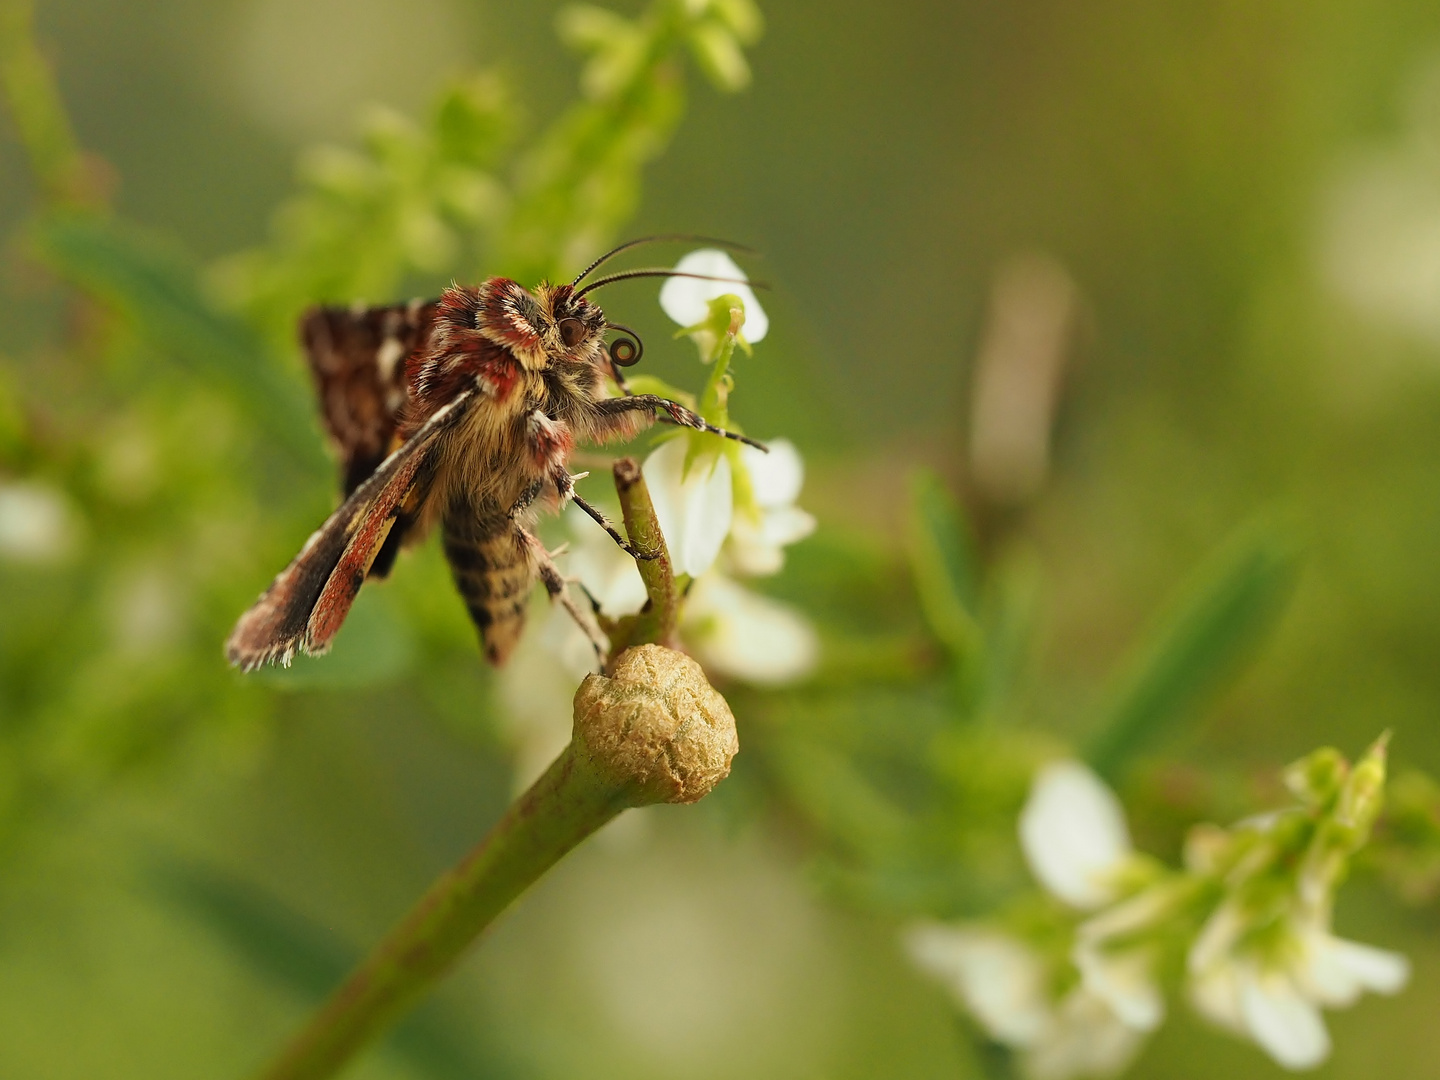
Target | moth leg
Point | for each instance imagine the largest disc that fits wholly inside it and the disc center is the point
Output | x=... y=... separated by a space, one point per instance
x=554 y=583
x=528 y=496
x=565 y=485
x=671 y=411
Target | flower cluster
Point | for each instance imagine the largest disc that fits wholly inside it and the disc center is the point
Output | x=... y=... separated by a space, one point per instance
x=1248 y=921
x=727 y=511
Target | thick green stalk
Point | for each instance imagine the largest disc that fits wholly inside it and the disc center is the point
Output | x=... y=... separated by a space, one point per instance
x=568 y=803
x=660 y=620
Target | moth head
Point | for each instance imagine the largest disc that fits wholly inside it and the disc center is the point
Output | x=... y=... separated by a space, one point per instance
x=577 y=327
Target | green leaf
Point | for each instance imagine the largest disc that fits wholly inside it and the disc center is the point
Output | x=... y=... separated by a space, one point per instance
x=1209 y=632
x=156 y=289
x=838 y=799
x=942 y=560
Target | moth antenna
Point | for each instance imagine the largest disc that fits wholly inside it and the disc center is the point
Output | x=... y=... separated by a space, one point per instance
x=660 y=271
x=729 y=245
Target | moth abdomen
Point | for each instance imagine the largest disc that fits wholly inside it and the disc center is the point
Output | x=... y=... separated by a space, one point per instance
x=490 y=562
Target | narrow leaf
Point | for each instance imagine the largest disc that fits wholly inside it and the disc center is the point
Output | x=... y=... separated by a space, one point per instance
x=1203 y=641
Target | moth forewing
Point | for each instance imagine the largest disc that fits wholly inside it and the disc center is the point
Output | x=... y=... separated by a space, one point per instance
x=304 y=607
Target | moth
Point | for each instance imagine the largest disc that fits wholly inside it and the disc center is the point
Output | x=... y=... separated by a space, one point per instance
x=460 y=413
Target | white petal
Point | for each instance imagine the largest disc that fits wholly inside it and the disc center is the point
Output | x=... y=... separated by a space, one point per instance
x=749 y=553
x=1335 y=972
x=695 y=513
x=786 y=525
x=1073 y=832
x=776 y=477
x=608 y=574
x=998 y=978
x=748 y=636
x=1215 y=995
x=687 y=300
x=757 y=548
x=1122 y=979
x=1086 y=1039
x=1285 y=1023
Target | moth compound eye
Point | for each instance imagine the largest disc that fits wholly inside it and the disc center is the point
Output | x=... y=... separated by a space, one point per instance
x=571 y=332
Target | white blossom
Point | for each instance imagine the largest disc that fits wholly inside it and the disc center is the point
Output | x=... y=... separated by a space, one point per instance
x=1073 y=833
x=1085 y=1038
x=695 y=508
x=996 y=977
x=37 y=524
x=1004 y=984
x=759 y=535
x=687 y=300
x=1274 y=994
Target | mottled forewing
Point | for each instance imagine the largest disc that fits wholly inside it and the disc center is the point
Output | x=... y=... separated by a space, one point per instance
x=306 y=604
x=357 y=356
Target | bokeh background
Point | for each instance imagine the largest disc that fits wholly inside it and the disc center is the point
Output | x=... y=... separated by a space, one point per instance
x=1237 y=206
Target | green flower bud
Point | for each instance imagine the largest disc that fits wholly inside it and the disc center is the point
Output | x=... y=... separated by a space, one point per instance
x=1317 y=777
x=1363 y=795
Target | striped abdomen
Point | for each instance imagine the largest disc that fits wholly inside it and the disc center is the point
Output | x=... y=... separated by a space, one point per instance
x=490 y=560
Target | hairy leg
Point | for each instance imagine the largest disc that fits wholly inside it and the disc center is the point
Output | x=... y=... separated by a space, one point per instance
x=665 y=409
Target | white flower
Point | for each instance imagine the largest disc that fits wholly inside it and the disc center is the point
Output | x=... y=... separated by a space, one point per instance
x=695 y=510
x=999 y=979
x=687 y=300
x=36 y=523
x=1004 y=984
x=1275 y=996
x=747 y=636
x=758 y=538
x=1073 y=833
x=1085 y=1038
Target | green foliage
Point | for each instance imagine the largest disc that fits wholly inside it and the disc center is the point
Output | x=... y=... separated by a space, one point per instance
x=1217 y=624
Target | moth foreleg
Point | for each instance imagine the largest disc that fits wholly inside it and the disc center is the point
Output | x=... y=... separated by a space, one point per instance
x=670 y=411
x=565 y=485
x=554 y=583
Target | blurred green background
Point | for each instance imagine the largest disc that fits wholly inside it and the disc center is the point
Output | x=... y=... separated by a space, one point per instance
x=1244 y=199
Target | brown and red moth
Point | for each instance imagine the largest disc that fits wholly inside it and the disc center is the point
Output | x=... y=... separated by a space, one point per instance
x=462 y=411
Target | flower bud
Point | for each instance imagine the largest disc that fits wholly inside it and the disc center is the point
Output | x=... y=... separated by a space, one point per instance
x=655 y=727
x=1316 y=778
x=1363 y=795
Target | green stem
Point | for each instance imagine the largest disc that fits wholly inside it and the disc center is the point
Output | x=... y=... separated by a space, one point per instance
x=714 y=399
x=568 y=803
x=659 y=622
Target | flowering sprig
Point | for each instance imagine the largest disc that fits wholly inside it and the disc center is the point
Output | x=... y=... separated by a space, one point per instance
x=726 y=510
x=1247 y=920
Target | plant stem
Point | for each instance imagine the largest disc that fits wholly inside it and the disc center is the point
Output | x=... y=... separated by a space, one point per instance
x=568 y=803
x=659 y=622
